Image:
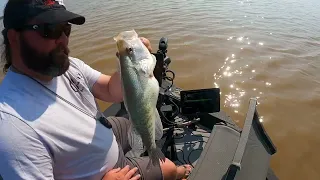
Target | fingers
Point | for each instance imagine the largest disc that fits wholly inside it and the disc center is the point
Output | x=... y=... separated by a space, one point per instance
x=131 y=173
x=136 y=177
x=125 y=169
x=114 y=170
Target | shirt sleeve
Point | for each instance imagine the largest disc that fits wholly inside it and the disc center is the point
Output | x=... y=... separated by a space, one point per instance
x=22 y=154
x=91 y=75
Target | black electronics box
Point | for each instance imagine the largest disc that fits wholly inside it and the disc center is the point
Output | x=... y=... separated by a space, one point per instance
x=200 y=101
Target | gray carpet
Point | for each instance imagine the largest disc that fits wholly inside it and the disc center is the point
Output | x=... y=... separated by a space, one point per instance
x=190 y=144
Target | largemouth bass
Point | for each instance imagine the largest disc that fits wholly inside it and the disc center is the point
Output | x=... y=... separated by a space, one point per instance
x=140 y=93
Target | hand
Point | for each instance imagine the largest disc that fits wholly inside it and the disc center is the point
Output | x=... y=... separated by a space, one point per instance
x=147 y=43
x=121 y=174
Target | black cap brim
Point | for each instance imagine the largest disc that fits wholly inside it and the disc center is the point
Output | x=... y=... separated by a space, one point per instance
x=56 y=16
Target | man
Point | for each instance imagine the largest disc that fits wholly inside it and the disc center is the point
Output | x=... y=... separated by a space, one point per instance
x=50 y=126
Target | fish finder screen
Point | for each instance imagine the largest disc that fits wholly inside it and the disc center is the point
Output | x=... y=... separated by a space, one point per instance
x=200 y=101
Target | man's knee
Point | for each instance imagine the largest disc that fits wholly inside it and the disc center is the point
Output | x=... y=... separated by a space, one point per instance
x=169 y=170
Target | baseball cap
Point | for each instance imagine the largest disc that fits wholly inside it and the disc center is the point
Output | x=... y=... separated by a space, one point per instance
x=18 y=12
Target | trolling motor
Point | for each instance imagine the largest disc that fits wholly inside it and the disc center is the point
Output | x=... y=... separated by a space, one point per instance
x=163 y=61
x=165 y=111
x=163 y=46
x=191 y=103
x=161 y=74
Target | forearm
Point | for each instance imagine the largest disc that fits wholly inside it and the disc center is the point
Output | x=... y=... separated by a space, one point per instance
x=115 y=88
x=108 y=88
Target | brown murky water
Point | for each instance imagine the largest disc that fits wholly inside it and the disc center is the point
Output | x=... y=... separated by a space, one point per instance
x=248 y=48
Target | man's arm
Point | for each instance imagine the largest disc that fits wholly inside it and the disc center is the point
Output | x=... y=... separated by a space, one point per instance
x=22 y=153
x=108 y=88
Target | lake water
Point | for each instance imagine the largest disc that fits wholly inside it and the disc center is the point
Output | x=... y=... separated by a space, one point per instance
x=265 y=49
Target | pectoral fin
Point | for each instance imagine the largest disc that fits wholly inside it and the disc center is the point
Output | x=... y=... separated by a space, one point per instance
x=147 y=66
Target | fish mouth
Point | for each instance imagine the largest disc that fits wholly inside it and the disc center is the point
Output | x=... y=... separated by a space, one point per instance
x=122 y=47
x=126 y=51
x=123 y=41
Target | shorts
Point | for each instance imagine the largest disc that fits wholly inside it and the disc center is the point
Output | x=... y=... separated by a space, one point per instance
x=120 y=127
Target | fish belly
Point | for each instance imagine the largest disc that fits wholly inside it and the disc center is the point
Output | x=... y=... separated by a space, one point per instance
x=140 y=98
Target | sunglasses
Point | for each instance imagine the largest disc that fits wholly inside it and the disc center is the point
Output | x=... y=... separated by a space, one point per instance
x=49 y=31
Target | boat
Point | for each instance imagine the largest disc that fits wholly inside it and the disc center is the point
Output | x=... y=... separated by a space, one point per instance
x=197 y=132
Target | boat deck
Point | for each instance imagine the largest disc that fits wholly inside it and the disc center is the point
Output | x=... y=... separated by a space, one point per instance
x=190 y=144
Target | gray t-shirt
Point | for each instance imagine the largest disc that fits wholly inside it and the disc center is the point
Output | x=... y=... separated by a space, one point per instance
x=43 y=137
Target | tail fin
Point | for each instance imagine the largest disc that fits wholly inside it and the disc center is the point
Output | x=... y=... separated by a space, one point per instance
x=155 y=155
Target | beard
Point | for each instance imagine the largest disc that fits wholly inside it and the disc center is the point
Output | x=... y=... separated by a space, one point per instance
x=53 y=64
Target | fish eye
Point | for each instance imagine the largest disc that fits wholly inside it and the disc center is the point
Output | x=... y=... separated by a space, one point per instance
x=129 y=50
